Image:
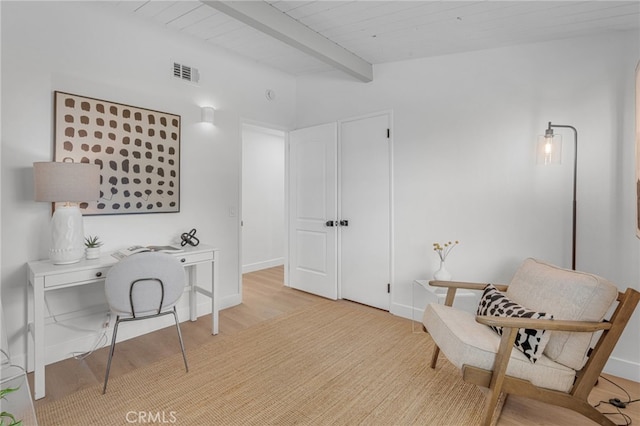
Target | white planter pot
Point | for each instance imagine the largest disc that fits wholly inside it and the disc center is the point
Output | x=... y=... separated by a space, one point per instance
x=93 y=252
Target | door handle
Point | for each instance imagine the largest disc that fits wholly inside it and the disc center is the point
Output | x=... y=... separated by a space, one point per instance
x=344 y=223
x=330 y=223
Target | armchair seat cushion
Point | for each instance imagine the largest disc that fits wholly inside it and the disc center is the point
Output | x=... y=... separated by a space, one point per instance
x=467 y=342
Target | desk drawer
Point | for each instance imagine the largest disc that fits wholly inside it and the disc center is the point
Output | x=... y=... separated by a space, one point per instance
x=190 y=258
x=75 y=277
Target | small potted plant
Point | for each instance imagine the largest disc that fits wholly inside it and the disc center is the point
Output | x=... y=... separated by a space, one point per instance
x=92 y=244
x=6 y=418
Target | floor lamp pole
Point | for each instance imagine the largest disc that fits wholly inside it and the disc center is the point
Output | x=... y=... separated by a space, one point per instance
x=575 y=182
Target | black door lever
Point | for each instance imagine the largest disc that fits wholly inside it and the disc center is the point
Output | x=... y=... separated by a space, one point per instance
x=330 y=223
x=344 y=223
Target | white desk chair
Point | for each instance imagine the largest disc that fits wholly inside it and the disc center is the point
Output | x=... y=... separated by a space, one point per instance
x=142 y=286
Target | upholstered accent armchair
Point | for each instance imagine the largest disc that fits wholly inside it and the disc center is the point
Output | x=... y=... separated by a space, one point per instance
x=570 y=357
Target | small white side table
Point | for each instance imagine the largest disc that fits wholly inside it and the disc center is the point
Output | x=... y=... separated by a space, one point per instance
x=465 y=299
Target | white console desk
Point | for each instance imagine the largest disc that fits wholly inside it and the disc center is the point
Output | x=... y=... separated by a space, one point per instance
x=44 y=276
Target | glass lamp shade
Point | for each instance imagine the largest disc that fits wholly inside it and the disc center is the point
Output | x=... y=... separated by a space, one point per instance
x=69 y=183
x=549 y=149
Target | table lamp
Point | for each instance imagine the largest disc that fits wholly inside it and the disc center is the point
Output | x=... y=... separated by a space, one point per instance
x=69 y=183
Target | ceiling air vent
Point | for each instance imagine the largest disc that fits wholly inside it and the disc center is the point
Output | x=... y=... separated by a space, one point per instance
x=185 y=72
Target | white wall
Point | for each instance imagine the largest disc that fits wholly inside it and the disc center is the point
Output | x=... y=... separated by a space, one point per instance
x=262 y=198
x=465 y=132
x=465 y=127
x=89 y=49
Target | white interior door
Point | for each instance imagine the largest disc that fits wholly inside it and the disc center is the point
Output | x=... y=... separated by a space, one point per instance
x=365 y=243
x=312 y=204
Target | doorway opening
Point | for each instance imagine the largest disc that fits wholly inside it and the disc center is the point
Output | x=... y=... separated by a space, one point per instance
x=263 y=198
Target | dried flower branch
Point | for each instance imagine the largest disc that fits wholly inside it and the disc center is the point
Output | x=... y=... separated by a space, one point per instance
x=444 y=250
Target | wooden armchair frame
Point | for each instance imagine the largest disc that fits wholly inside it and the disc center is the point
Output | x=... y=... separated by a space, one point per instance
x=500 y=385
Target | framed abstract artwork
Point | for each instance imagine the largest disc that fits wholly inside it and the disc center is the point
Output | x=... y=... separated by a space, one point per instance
x=137 y=149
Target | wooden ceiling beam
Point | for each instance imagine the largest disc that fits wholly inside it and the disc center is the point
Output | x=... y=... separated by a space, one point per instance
x=269 y=20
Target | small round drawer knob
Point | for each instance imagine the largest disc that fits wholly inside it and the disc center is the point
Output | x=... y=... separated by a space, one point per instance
x=183 y=260
x=98 y=274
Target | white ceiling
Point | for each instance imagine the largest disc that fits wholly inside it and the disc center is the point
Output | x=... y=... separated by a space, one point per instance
x=387 y=31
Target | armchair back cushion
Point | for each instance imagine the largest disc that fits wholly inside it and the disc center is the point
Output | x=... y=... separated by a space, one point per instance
x=567 y=295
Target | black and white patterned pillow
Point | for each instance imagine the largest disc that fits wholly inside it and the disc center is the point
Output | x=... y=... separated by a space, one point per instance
x=530 y=342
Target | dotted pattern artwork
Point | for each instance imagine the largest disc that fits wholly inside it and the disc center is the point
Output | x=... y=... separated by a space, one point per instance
x=137 y=149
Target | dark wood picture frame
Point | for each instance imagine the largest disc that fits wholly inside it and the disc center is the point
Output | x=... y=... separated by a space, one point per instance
x=137 y=149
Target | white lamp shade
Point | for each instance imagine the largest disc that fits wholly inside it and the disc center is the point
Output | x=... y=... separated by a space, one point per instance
x=68 y=182
x=549 y=150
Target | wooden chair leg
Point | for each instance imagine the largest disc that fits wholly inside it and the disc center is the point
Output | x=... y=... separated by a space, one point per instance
x=496 y=399
x=493 y=408
x=587 y=410
x=434 y=356
x=451 y=294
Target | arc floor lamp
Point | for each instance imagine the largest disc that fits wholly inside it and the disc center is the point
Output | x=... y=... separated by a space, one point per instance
x=549 y=152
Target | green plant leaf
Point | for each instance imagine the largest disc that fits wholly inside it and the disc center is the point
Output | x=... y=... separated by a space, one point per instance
x=92 y=241
x=7 y=391
x=6 y=415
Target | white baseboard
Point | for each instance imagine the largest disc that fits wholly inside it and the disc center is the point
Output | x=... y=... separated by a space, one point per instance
x=229 y=301
x=252 y=267
x=623 y=368
x=63 y=341
x=406 y=311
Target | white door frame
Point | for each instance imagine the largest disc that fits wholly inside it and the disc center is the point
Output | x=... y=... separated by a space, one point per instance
x=243 y=122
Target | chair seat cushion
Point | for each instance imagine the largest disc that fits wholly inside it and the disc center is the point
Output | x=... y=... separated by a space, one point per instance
x=467 y=342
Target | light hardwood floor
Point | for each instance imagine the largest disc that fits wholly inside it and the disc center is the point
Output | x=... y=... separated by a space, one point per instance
x=265 y=297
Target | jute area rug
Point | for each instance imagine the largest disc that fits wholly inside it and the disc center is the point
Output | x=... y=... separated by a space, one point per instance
x=334 y=363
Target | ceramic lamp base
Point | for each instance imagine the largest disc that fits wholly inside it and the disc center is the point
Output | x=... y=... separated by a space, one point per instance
x=67 y=235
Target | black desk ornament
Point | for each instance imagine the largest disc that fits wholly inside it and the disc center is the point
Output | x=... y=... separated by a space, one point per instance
x=189 y=238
